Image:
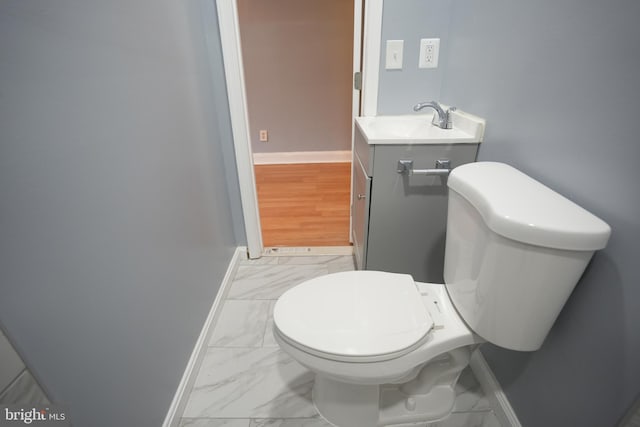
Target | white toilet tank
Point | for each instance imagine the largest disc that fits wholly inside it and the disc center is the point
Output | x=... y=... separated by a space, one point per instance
x=515 y=250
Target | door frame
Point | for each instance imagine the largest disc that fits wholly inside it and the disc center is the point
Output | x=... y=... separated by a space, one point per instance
x=236 y=93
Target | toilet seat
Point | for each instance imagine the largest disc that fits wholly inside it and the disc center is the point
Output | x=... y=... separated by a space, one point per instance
x=362 y=316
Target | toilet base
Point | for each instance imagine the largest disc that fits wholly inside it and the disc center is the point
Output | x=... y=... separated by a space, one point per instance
x=397 y=407
x=430 y=396
x=346 y=405
x=353 y=405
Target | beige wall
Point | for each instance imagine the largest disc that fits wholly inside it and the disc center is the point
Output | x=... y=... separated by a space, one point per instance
x=297 y=59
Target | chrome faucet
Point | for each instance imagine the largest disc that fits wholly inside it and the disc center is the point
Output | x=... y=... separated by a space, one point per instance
x=442 y=118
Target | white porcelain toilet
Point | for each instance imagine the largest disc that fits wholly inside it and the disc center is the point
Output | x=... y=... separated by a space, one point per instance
x=387 y=350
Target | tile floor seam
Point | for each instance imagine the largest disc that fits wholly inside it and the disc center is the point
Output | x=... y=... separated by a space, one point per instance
x=14 y=380
x=234 y=346
x=266 y=326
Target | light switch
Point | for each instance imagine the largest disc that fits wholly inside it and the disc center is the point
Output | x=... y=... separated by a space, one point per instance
x=394 y=54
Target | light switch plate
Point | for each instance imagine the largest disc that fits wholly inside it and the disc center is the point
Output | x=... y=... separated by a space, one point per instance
x=394 y=54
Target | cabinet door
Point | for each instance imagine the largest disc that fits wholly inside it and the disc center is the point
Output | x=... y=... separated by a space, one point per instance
x=408 y=214
x=360 y=212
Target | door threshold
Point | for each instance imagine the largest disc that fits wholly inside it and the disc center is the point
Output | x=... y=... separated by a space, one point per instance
x=307 y=250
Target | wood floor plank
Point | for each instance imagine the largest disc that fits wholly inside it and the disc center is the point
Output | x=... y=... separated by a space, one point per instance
x=304 y=204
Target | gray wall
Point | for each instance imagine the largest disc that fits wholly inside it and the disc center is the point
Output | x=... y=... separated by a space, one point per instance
x=558 y=85
x=298 y=72
x=115 y=222
x=412 y=20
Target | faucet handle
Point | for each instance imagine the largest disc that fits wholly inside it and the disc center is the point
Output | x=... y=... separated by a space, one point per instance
x=449 y=124
x=445 y=122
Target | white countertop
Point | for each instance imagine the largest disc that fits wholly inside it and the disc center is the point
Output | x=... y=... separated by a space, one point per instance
x=417 y=129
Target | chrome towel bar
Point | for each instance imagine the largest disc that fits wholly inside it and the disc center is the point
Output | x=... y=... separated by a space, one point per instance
x=443 y=167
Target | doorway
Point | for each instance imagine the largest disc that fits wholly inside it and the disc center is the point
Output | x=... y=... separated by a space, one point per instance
x=369 y=23
x=298 y=62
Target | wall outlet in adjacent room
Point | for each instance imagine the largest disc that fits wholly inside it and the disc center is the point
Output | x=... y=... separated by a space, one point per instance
x=429 y=50
x=264 y=135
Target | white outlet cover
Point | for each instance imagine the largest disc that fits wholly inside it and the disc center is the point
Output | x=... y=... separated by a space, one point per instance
x=429 y=51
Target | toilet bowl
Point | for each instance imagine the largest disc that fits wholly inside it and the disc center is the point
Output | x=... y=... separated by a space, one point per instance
x=359 y=329
x=387 y=350
x=368 y=327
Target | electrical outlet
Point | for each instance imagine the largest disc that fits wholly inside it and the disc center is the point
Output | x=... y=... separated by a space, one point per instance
x=264 y=136
x=429 y=50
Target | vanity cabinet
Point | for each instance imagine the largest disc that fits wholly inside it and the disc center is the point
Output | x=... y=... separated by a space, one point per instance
x=399 y=220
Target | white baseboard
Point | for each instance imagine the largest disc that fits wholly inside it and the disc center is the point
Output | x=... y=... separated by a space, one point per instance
x=193 y=366
x=302 y=157
x=491 y=387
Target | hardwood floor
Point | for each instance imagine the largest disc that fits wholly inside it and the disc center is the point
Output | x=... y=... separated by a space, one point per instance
x=304 y=204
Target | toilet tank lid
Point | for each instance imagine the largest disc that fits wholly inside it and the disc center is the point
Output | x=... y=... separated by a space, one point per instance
x=520 y=208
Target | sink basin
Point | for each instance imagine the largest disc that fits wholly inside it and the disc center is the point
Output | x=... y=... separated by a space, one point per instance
x=417 y=129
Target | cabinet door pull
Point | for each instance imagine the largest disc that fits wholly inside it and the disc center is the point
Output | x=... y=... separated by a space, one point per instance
x=443 y=167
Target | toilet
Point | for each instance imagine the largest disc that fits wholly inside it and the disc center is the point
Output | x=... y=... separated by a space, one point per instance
x=387 y=350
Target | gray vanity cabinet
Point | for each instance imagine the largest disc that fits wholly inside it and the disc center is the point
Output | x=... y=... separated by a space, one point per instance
x=360 y=212
x=399 y=221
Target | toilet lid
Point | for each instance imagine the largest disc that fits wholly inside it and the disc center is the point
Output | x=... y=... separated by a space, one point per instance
x=354 y=314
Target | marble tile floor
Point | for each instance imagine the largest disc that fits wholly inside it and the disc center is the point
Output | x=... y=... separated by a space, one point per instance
x=246 y=380
x=23 y=390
